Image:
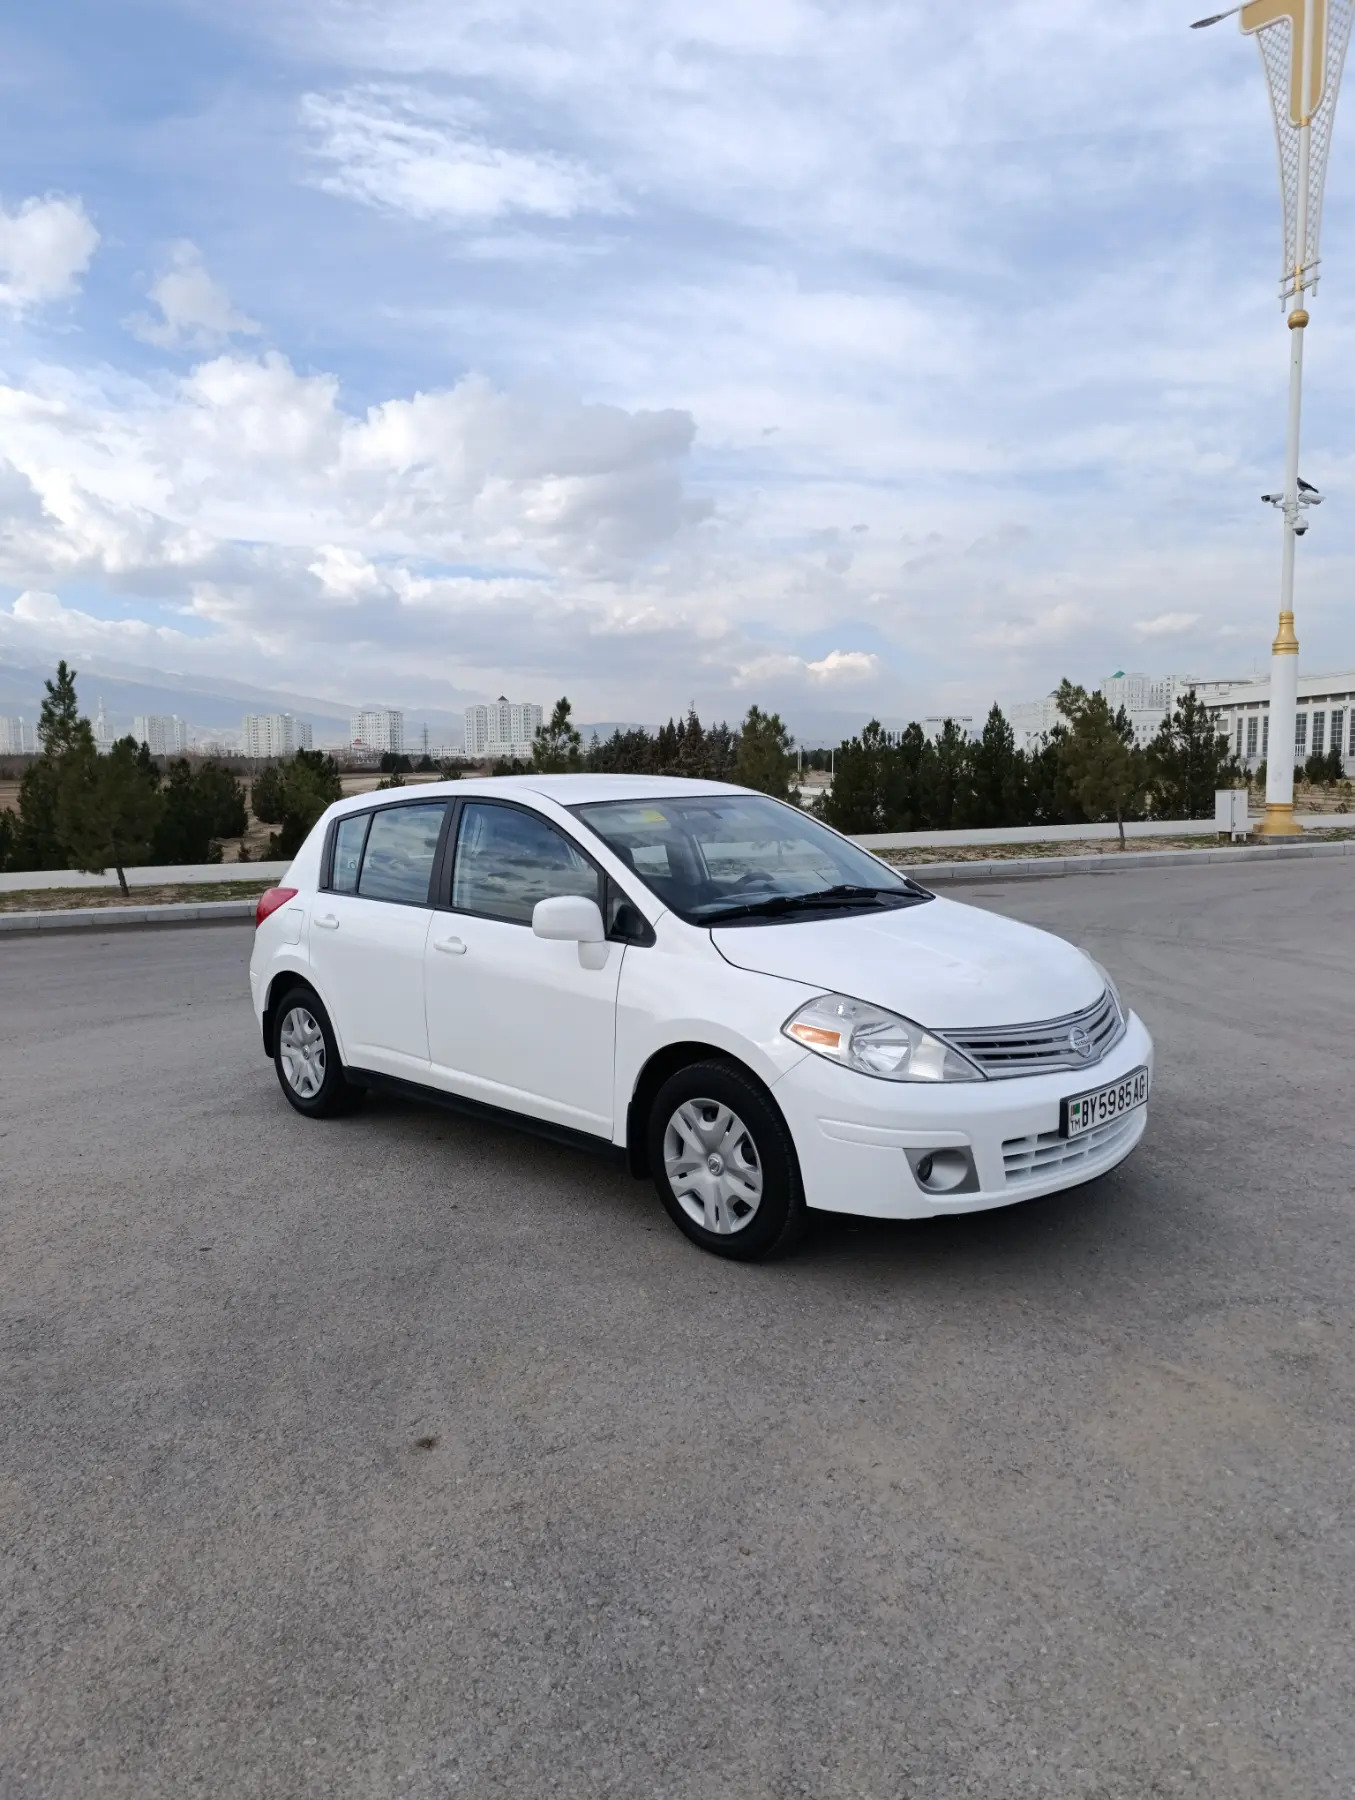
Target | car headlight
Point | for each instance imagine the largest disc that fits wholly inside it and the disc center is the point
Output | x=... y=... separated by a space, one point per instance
x=875 y=1042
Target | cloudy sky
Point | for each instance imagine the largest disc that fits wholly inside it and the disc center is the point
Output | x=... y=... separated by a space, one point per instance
x=846 y=355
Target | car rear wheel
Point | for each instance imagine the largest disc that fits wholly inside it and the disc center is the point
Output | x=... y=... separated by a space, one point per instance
x=724 y=1164
x=306 y=1056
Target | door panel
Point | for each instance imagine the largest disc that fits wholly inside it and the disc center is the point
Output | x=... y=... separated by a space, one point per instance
x=514 y=1020
x=368 y=962
x=367 y=942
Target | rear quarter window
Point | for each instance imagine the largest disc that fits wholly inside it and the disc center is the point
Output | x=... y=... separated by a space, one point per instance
x=349 y=836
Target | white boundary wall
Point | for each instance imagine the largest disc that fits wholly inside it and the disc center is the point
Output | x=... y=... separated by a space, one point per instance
x=207 y=874
x=176 y=875
x=1069 y=834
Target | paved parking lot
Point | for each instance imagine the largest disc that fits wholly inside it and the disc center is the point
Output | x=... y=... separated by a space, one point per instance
x=407 y=1456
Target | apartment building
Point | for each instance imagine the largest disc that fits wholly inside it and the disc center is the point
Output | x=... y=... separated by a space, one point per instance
x=1032 y=720
x=274 y=734
x=1152 y=694
x=15 y=738
x=507 y=728
x=163 y=734
x=378 y=730
x=1146 y=699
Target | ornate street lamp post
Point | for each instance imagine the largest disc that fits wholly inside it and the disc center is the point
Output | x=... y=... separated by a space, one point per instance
x=1303 y=50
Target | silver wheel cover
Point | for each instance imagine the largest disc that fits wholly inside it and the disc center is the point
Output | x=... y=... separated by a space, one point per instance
x=301 y=1045
x=713 y=1166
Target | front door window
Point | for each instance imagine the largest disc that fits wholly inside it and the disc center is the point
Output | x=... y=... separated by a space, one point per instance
x=507 y=860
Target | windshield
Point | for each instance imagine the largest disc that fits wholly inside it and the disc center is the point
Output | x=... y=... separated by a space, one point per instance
x=745 y=858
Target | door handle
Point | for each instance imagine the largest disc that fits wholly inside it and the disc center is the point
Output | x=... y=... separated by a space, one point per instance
x=450 y=946
x=327 y=922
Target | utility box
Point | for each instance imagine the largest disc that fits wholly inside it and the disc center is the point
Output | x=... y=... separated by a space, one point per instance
x=1230 y=812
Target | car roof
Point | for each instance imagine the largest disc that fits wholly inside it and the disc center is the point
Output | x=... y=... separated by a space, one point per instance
x=565 y=790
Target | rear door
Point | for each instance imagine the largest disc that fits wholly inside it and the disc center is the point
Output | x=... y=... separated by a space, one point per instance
x=513 y=1020
x=369 y=927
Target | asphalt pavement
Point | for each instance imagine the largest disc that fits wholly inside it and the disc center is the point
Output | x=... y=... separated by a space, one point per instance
x=408 y=1456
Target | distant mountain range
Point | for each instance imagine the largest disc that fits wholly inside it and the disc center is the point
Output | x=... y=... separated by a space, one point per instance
x=212 y=705
x=209 y=704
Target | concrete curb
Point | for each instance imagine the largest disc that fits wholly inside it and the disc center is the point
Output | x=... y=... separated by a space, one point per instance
x=126 y=918
x=1016 y=868
x=1037 y=868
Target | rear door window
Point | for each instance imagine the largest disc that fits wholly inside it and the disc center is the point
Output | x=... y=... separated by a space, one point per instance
x=397 y=863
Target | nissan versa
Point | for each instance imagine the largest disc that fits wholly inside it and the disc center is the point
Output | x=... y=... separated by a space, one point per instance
x=755 y=1011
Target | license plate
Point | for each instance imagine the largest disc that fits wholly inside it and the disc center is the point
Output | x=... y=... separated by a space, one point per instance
x=1084 y=1112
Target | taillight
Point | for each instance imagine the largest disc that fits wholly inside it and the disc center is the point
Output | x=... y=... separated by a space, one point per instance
x=270 y=901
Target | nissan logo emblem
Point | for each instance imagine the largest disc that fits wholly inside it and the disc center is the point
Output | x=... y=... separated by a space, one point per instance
x=1080 y=1042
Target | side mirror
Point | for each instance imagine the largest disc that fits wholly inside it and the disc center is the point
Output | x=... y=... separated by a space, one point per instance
x=569 y=919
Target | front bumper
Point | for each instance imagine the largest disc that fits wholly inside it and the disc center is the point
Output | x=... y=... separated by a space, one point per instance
x=853 y=1133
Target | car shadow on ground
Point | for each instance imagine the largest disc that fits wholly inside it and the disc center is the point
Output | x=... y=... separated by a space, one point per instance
x=1080 y=1222
x=1054 y=1235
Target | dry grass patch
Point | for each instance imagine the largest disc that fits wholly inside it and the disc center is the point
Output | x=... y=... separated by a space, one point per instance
x=957 y=853
x=176 y=894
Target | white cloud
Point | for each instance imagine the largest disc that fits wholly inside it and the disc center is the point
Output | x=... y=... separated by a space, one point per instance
x=914 y=308
x=844 y=666
x=248 y=450
x=839 y=668
x=1055 y=624
x=406 y=152
x=1174 y=624
x=39 y=621
x=346 y=576
x=245 y=496
x=195 y=311
x=45 y=247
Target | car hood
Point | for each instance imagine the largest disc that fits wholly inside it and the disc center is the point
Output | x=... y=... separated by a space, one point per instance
x=941 y=964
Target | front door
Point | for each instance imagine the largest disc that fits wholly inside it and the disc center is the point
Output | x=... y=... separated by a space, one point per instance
x=514 y=1020
x=368 y=932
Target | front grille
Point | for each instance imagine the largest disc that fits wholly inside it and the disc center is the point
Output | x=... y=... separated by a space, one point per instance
x=1046 y=1153
x=1046 y=1048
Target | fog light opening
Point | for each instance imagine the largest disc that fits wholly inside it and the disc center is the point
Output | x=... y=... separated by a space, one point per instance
x=944 y=1171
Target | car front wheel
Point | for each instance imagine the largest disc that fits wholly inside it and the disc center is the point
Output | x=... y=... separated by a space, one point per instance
x=306 y=1056
x=724 y=1164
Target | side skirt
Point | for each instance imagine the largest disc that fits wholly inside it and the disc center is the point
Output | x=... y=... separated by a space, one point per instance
x=494 y=1115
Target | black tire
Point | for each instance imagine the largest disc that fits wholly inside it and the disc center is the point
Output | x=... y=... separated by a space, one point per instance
x=763 y=1148
x=335 y=1094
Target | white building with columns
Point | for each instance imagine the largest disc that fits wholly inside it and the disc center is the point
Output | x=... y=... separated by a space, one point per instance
x=1324 y=719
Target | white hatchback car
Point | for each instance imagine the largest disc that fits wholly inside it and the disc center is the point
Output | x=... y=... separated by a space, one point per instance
x=746 y=1005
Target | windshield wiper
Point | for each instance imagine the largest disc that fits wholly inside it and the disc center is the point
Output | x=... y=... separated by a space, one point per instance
x=842 y=895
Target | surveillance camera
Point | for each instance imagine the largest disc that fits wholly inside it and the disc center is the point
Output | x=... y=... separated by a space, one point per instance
x=1300 y=526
